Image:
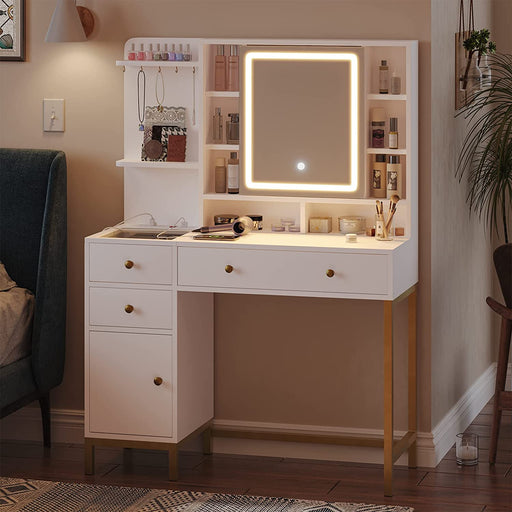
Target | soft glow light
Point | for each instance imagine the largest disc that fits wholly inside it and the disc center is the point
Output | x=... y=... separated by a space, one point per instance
x=301 y=166
x=352 y=58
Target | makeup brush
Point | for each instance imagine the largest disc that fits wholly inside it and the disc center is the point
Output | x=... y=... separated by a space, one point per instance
x=394 y=200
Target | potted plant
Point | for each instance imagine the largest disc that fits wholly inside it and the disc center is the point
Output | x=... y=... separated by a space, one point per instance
x=478 y=43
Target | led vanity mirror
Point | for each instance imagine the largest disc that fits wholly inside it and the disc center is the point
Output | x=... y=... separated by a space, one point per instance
x=301 y=121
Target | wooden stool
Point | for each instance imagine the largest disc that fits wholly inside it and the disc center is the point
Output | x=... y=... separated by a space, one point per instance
x=502 y=398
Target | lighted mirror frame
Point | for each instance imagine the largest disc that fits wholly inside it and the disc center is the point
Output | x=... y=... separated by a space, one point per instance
x=344 y=55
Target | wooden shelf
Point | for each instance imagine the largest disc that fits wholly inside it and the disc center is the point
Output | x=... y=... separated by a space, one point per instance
x=158 y=63
x=222 y=94
x=387 y=97
x=225 y=147
x=386 y=151
x=125 y=162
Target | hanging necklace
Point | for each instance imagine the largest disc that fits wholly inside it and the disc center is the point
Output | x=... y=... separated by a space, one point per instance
x=140 y=75
x=160 y=76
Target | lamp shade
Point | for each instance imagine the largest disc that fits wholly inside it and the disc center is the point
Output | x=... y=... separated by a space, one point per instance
x=65 y=25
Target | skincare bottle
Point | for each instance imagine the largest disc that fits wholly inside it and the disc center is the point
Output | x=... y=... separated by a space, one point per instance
x=393 y=133
x=378 y=124
x=141 y=54
x=149 y=53
x=179 y=53
x=157 y=55
x=232 y=71
x=131 y=54
x=172 y=53
x=396 y=83
x=220 y=175
x=187 y=55
x=220 y=69
x=393 y=176
x=233 y=129
x=217 y=127
x=383 y=77
x=233 y=186
x=165 y=53
x=378 y=177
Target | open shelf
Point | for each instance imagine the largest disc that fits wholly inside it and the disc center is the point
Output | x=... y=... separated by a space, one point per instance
x=225 y=147
x=387 y=97
x=156 y=165
x=222 y=94
x=386 y=151
x=158 y=63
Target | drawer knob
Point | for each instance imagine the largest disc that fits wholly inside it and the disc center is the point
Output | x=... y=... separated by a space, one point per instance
x=330 y=273
x=128 y=308
x=229 y=269
x=158 y=381
x=128 y=264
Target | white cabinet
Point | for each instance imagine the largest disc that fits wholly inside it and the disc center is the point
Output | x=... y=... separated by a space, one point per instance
x=130 y=384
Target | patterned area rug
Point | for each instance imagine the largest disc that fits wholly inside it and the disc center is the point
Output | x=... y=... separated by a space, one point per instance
x=41 y=496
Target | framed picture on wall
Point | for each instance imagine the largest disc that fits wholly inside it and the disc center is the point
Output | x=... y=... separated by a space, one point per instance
x=12 y=30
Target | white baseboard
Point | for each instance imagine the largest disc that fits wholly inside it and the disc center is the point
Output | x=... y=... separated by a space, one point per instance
x=68 y=427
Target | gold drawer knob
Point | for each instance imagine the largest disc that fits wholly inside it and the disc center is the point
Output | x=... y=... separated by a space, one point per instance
x=330 y=273
x=229 y=269
x=128 y=308
x=158 y=381
x=128 y=264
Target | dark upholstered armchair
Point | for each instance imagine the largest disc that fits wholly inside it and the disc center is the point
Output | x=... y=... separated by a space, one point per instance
x=33 y=239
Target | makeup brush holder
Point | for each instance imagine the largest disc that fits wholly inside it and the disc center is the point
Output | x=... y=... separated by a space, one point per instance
x=381 y=231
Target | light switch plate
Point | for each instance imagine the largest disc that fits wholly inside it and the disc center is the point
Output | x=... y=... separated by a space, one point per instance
x=53 y=115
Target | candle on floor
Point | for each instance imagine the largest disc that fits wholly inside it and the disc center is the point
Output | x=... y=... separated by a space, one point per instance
x=466 y=449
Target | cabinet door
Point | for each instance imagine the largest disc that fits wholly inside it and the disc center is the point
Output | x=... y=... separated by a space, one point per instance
x=125 y=393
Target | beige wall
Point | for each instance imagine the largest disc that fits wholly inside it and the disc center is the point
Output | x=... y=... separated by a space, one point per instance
x=271 y=364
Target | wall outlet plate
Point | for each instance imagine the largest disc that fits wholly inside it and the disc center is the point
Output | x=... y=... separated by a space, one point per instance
x=53 y=115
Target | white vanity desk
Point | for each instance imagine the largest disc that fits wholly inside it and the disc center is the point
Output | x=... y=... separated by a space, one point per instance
x=142 y=324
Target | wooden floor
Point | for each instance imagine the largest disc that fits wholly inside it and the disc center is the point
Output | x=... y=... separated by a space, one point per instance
x=446 y=488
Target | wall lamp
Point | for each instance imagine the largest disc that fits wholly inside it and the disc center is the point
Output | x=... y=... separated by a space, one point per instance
x=70 y=23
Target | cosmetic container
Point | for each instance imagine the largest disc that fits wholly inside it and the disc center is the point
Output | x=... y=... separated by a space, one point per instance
x=179 y=53
x=141 y=54
x=224 y=218
x=393 y=133
x=294 y=228
x=320 y=224
x=351 y=238
x=378 y=177
x=351 y=224
x=393 y=176
x=149 y=53
x=233 y=129
x=172 y=53
x=217 y=127
x=396 y=83
x=278 y=228
x=257 y=222
x=233 y=174
x=232 y=69
x=383 y=231
x=220 y=176
x=132 y=55
x=377 y=127
x=220 y=69
x=383 y=77
x=187 y=55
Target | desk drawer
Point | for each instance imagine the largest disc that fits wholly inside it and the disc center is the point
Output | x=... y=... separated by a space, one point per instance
x=354 y=273
x=128 y=307
x=130 y=263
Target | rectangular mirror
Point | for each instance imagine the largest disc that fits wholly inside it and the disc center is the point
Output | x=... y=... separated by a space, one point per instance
x=302 y=132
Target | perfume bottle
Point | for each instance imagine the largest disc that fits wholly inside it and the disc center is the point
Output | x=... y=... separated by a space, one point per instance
x=165 y=53
x=220 y=176
x=179 y=53
x=217 y=127
x=396 y=83
x=132 y=55
x=233 y=179
x=187 y=55
x=393 y=133
x=378 y=125
x=157 y=55
x=141 y=54
x=393 y=176
x=233 y=129
x=220 y=69
x=172 y=53
x=232 y=69
x=383 y=77
x=149 y=53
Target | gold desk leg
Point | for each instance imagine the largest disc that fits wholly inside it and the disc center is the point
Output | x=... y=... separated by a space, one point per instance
x=173 y=462
x=413 y=383
x=207 y=441
x=89 y=456
x=388 y=398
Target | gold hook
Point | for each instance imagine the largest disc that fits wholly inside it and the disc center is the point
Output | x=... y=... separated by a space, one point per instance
x=141 y=68
x=159 y=69
x=124 y=69
x=176 y=69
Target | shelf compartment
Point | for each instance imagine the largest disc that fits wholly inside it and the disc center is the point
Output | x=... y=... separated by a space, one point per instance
x=386 y=151
x=158 y=63
x=222 y=94
x=387 y=97
x=223 y=147
x=125 y=162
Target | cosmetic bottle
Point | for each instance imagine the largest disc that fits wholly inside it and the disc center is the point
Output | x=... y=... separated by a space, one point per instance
x=220 y=69
x=149 y=53
x=220 y=175
x=232 y=69
x=378 y=124
x=132 y=55
x=157 y=55
x=187 y=55
x=179 y=53
x=393 y=176
x=141 y=54
x=217 y=127
x=233 y=179
x=378 y=177
x=396 y=83
x=233 y=129
x=172 y=53
x=165 y=54
x=393 y=133
x=383 y=77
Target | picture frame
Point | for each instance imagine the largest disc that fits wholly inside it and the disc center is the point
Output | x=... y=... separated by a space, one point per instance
x=12 y=30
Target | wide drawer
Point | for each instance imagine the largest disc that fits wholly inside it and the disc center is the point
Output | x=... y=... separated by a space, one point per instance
x=130 y=263
x=354 y=273
x=128 y=307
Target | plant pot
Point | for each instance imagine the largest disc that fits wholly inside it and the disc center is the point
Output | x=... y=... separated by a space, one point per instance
x=503 y=264
x=472 y=77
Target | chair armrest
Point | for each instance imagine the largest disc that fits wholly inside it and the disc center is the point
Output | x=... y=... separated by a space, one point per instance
x=502 y=310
